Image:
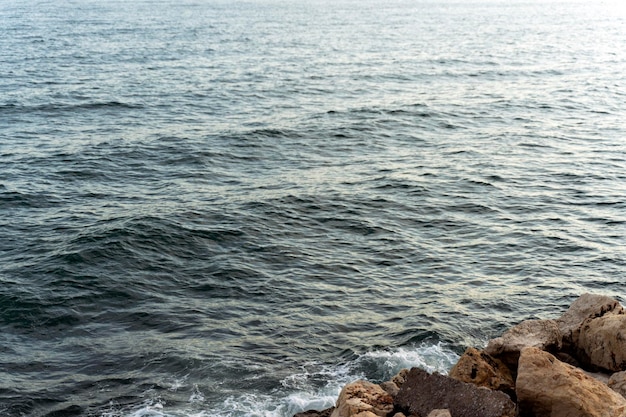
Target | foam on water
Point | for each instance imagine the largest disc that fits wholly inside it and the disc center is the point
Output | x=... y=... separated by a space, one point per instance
x=315 y=387
x=432 y=358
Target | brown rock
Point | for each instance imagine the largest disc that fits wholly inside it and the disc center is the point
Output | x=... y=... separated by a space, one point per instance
x=362 y=396
x=617 y=383
x=365 y=414
x=547 y=387
x=542 y=334
x=602 y=342
x=479 y=368
x=585 y=307
x=423 y=392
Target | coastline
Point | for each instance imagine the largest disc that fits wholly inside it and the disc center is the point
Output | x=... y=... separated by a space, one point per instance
x=572 y=366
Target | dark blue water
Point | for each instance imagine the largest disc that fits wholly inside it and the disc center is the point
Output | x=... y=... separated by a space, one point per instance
x=214 y=208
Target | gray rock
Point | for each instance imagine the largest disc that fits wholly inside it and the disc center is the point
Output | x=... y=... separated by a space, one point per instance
x=423 y=392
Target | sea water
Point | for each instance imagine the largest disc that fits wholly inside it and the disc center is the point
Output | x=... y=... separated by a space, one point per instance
x=233 y=208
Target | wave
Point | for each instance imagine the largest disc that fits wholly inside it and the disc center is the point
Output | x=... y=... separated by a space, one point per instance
x=15 y=199
x=47 y=108
x=313 y=387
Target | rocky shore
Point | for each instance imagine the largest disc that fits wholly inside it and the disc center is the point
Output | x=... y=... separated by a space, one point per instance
x=573 y=366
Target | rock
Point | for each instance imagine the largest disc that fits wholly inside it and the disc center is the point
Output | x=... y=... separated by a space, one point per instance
x=440 y=413
x=617 y=383
x=585 y=307
x=362 y=396
x=567 y=358
x=479 y=368
x=602 y=342
x=600 y=376
x=400 y=377
x=365 y=414
x=390 y=387
x=547 y=387
x=399 y=415
x=423 y=392
x=542 y=334
x=393 y=385
x=314 y=413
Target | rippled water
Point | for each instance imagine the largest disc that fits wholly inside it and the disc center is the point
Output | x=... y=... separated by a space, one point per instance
x=216 y=208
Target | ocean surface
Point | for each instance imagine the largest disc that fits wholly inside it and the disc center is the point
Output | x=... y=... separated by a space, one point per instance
x=216 y=208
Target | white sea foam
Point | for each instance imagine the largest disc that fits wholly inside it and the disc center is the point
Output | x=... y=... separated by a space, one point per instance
x=196 y=396
x=314 y=387
x=432 y=358
x=149 y=408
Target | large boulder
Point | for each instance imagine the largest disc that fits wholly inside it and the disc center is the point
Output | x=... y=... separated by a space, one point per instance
x=541 y=334
x=602 y=342
x=587 y=306
x=362 y=398
x=547 y=387
x=479 y=368
x=423 y=392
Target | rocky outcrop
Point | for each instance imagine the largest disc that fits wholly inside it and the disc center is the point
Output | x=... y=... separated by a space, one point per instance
x=363 y=399
x=547 y=387
x=602 y=342
x=541 y=334
x=423 y=392
x=587 y=306
x=483 y=370
x=551 y=368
